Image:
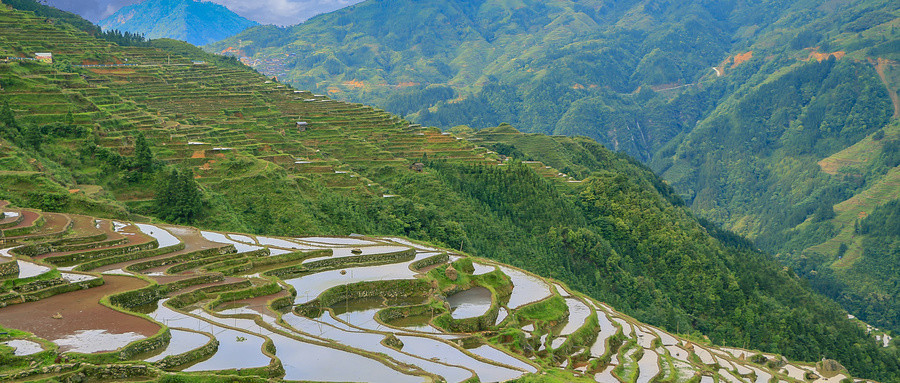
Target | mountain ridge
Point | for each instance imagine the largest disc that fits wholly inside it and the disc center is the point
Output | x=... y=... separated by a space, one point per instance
x=197 y=22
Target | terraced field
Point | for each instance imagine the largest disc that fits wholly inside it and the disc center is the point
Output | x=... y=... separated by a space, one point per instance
x=97 y=299
x=196 y=114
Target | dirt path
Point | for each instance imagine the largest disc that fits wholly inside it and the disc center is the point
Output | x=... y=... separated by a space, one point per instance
x=895 y=99
x=80 y=310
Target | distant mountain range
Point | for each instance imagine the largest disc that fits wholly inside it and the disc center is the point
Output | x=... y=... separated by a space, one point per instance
x=197 y=22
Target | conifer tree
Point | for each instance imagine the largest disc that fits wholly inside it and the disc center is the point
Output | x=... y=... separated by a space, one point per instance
x=143 y=156
x=178 y=199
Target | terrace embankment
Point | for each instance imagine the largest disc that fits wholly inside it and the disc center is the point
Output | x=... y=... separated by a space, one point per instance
x=393 y=309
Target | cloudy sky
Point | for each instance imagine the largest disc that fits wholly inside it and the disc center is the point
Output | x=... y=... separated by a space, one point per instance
x=280 y=12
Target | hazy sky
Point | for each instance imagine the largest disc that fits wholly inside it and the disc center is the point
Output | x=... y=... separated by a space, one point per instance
x=280 y=12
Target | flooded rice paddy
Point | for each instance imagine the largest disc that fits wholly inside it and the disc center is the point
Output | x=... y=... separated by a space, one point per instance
x=237 y=349
x=93 y=341
x=483 y=269
x=348 y=341
x=23 y=347
x=648 y=367
x=626 y=327
x=221 y=238
x=31 y=269
x=182 y=341
x=607 y=329
x=345 y=252
x=309 y=287
x=164 y=238
x=578 y=313
x=528 y=288
x=336 y=241
x=470 y=303
x=645 y=338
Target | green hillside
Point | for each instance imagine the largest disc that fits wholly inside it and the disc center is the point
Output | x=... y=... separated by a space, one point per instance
x=796 y=155
x=264 y=158
x=563 y=67
x=197 y=22
x=776 y=120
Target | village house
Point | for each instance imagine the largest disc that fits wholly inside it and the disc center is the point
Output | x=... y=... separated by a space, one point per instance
x=44 y=57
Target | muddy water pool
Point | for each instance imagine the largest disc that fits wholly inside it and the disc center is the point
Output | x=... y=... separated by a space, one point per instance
x=92 y=341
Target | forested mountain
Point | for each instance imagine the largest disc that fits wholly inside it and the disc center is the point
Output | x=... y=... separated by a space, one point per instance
x=775 y=119
x=866 y=282
x=151 y=140
x=563 y=67
x=194 y=21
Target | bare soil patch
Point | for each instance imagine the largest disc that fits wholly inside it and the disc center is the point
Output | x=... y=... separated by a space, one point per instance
x=80 y=310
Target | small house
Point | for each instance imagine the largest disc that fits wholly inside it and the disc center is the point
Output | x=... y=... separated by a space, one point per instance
x=301 y=126
x=44 y=57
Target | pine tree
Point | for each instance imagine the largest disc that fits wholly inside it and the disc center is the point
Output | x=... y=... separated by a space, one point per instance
x=143 y=156
x=179 y=199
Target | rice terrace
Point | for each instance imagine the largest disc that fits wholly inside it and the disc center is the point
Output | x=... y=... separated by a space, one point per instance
x=82 y=295
x=170 y=214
